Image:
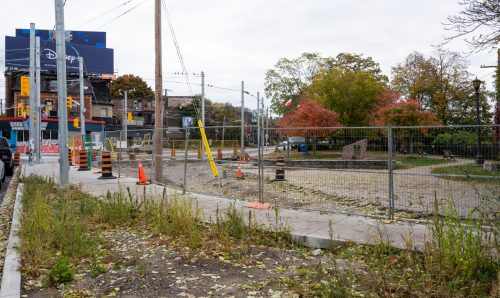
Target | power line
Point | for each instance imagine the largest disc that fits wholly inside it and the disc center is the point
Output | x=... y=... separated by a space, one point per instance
x=103 y=14
x=177 y=48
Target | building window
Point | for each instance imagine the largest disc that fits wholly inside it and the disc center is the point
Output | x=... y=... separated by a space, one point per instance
x=104 y=112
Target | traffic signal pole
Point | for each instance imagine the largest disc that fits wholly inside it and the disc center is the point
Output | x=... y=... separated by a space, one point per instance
x=62 y=93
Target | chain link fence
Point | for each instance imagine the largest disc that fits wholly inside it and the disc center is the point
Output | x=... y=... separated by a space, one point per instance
x=376 y=171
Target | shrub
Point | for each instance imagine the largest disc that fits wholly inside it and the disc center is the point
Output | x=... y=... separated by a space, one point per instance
x=61 y=272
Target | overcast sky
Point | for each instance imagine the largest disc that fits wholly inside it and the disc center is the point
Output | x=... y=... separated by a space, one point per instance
x=236 y=40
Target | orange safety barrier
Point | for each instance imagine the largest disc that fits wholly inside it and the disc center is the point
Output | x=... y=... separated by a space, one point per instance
x=84 y=166
x=219 y=154
x=17 y=158
x=106 y=172
x=70 y=157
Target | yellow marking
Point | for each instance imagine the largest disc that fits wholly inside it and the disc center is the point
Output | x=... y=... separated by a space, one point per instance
x=207 y=149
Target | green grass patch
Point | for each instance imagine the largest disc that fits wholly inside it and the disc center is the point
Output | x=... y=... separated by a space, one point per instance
x=468 y=172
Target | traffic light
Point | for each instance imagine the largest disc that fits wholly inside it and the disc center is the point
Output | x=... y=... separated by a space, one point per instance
x=20 y=108
x=129 y=116
x=69 y=102
x=76 y=122
x=27 y=110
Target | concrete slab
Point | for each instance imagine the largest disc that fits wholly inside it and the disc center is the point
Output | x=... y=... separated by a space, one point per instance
x=310 y=228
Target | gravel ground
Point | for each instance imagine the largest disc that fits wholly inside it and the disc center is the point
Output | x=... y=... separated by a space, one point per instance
x=364 y=192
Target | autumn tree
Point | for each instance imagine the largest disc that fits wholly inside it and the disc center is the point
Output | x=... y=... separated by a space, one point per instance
x=287 y=80
x=309 y=120
x=351 y=93
x=416 y=78
x=440 y=83
x=478 y=23
x=357 y=62
x=134 y=85
x=407 y=112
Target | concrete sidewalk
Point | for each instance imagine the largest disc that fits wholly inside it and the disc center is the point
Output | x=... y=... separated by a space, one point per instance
x=313 y=229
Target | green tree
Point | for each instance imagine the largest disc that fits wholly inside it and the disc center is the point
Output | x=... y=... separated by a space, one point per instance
x=416 y=78
x=135 y=86
x=351 y=93
x=288 y=79
x=355 y=63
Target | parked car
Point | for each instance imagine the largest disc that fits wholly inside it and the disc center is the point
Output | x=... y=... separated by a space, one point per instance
x=295 y=142
x=2 y=173
x=6 y=157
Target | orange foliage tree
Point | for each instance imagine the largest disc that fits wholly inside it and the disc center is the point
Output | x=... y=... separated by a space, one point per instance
x=406 y=112
x=310 y=120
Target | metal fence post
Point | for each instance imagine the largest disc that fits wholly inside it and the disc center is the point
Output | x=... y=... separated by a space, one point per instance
x=185 y=160
x=120 y=155
x=390 y=172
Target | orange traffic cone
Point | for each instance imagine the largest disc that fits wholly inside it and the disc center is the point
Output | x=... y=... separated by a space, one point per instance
x=239 y=173
x=143 y=179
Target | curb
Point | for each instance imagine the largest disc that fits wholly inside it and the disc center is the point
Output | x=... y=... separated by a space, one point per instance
x=11 y=277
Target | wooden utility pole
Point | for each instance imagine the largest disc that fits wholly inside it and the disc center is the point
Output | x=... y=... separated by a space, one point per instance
x=158 y=139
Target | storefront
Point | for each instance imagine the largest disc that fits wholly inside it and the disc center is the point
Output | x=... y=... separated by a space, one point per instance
x=16 y=130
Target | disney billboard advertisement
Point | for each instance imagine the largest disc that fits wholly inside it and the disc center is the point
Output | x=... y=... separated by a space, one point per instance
x=96 y=60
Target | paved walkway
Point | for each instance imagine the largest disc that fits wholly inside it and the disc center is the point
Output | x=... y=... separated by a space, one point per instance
x=311 y=228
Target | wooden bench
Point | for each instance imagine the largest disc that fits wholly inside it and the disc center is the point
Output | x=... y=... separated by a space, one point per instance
x=448 y=155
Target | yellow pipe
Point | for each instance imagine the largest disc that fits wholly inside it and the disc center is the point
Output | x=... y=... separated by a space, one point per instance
x=207 y=149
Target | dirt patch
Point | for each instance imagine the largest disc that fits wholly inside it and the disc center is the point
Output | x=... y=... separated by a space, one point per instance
x=137 y=264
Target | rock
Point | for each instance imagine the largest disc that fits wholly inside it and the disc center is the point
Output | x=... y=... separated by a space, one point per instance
x=317 y=252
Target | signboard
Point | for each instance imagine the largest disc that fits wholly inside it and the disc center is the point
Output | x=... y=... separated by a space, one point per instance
x=88 y=38
x=24 y=125
x=187 y=121
x=96 y=60
x=25 y=86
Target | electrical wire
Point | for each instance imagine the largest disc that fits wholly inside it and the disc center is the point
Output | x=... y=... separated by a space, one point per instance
x=179 y=54
x=103 y=14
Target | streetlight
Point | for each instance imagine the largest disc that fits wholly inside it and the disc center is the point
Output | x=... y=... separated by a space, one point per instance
x=479 y=158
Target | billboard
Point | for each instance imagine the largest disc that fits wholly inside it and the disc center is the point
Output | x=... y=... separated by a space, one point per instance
x=88 y=38
x=96 y=60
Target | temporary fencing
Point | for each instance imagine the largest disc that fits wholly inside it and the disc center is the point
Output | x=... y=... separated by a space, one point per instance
x=380 y=171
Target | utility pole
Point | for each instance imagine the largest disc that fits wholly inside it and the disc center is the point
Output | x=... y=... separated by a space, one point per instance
x=82 y=99
x=32 y=87
x=38 y=107
x=242 y=133
x=158 y=149
x=165 y=109
x=61 y=93
x=202 y=107
x=125 y=118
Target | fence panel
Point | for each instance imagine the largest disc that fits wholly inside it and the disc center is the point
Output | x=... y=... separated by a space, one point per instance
x=328 y=169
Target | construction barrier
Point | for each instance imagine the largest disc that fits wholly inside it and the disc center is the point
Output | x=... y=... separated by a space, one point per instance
x=173 y=153
x=199 y=153
x=219 y=154
x=107 y=172
x=280 y=171
x=143 y=179
x=17 y=158
x=247 y=157
x=70 y=157
x=83 y=162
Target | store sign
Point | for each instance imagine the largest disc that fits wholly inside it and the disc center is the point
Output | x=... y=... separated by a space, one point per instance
x=25 y=125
